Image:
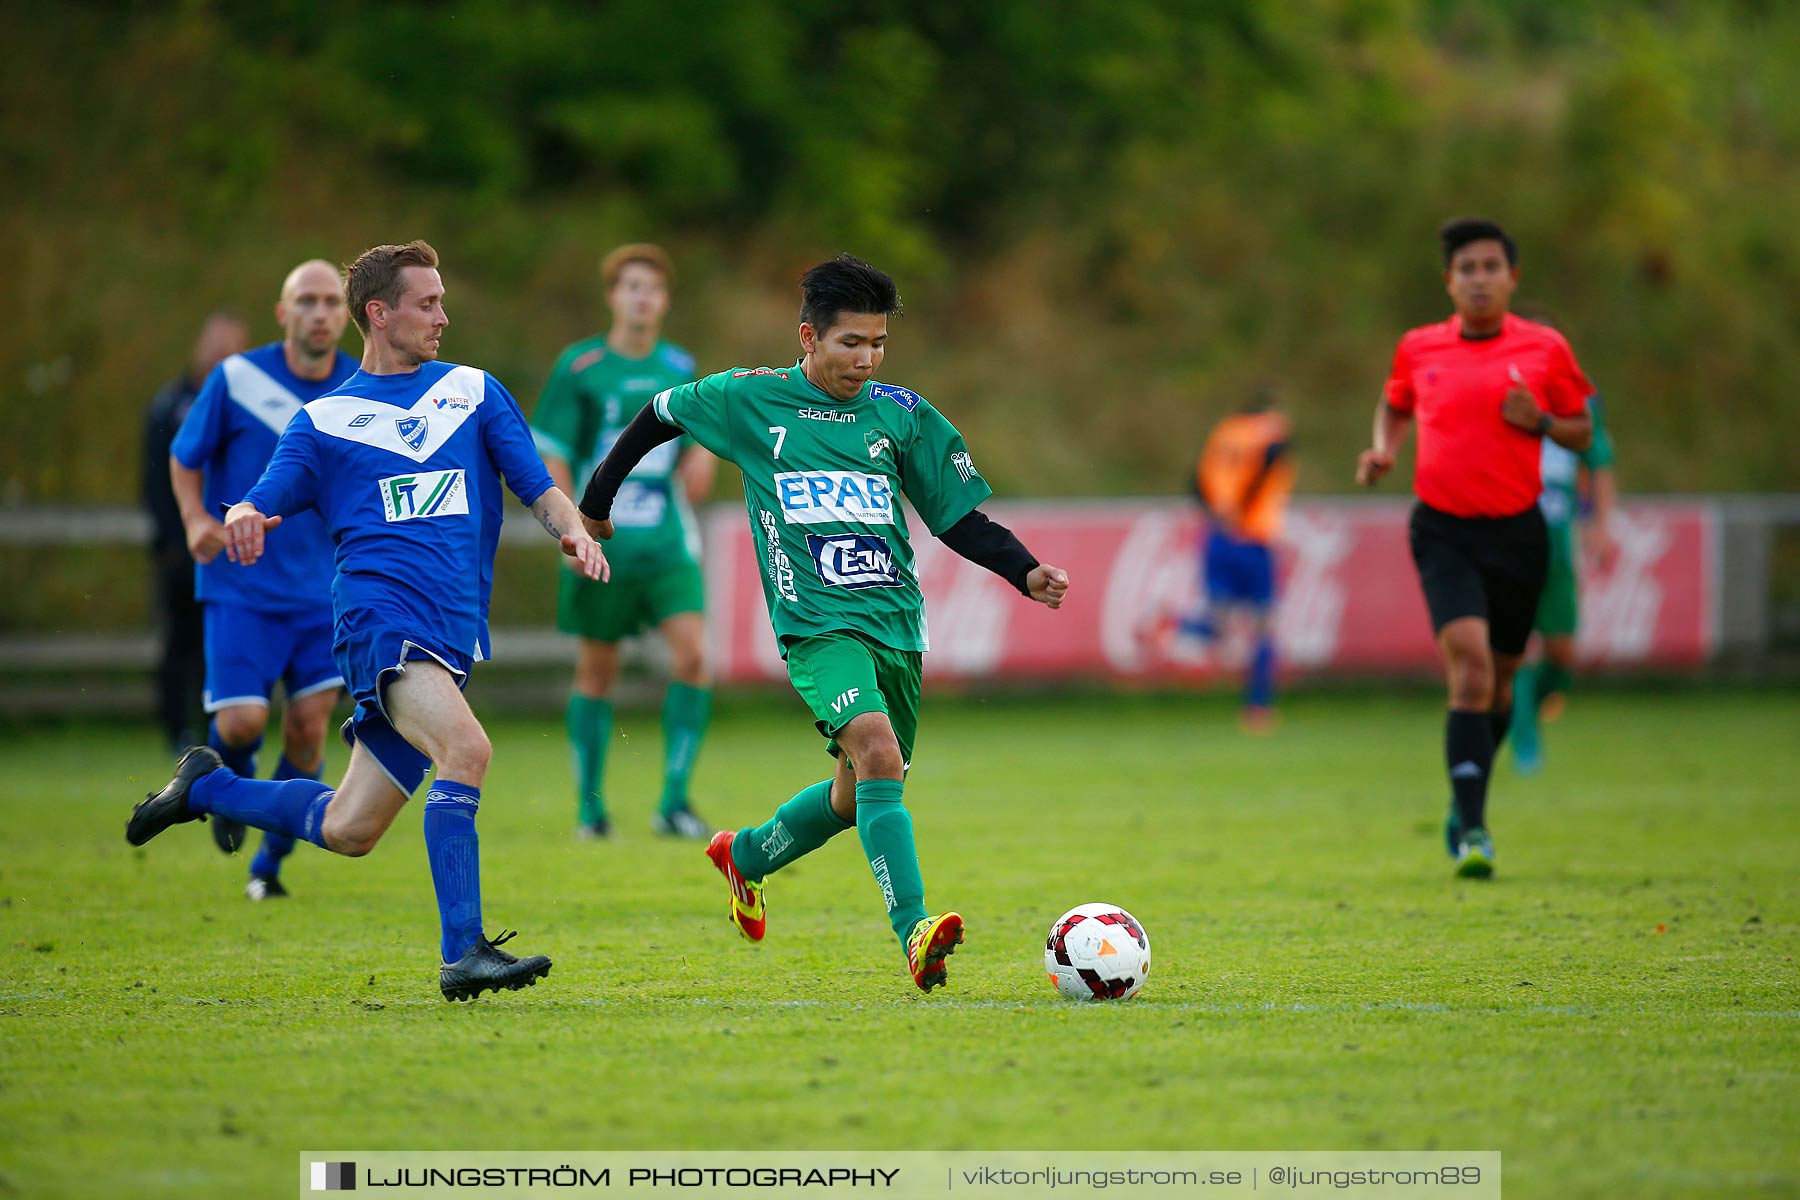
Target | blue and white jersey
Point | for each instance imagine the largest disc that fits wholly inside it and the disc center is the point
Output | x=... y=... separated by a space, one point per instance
x=406 y=471
x=229 y=436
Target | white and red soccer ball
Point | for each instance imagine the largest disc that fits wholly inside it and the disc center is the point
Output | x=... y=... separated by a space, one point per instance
x=1097 y=952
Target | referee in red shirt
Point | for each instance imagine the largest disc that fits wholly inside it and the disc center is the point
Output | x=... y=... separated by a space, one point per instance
x=1484 y=388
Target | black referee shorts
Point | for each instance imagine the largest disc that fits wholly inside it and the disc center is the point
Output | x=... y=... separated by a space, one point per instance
x=1488 y=567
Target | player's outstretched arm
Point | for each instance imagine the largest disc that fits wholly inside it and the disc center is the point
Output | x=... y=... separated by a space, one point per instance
x=645 y=433
x=559 y=516
x=244 y=530
x=992 y=545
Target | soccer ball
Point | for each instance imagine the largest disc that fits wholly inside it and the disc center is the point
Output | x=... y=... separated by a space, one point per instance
x=1097 y=952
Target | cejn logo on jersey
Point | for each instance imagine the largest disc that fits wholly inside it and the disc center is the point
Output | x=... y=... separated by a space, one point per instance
x=424 y=494
x=834 y=498
x=854 y=560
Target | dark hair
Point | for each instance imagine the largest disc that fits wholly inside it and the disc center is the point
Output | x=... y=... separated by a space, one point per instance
x=845 y=284
x=1460 y=232
x=375 y=275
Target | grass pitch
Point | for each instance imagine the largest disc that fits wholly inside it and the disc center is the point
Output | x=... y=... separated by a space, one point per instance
x=1618 y=1012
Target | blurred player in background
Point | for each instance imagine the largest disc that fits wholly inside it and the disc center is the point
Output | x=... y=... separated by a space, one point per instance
x=1244 y=478
x=271 y=624
x=1486 y=388
x=181 y=664
x=598 y=385
x=826 y=452
x=404 y=461
x=1540 y=690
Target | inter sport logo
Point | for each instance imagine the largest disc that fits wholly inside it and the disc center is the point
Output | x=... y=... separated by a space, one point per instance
x=854 y=560
x=834 y=497
x=425 y=494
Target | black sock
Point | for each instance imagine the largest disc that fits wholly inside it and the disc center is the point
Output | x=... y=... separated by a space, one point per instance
x=1498 y=724
x=1469 y=752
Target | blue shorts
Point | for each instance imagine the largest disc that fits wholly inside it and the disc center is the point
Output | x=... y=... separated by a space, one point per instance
x=1238 y=571
x=371 y=659
x=247 y=651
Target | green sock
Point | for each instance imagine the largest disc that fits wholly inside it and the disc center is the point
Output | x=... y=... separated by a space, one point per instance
x=589 y=723
x=685 y=713
x=1524 y=712
x=887 y=838
x=798 y=827
x=1552 y=679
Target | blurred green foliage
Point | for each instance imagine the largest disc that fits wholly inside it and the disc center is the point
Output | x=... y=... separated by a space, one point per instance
x=1109 y=219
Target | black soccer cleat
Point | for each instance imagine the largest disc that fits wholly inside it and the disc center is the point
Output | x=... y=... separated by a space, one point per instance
x=160 y=810
x=487 y=968
x=264 y=887
x=228 y=835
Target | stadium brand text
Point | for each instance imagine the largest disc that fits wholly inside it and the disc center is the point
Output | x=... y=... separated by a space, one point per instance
x=760 y=371
x=822 y=414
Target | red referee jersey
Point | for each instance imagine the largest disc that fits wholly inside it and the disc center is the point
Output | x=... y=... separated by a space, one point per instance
x=1471 y=462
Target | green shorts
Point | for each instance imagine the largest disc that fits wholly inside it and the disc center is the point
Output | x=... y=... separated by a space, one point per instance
x=1559 y=609
x=612 y=612
x=842 y=674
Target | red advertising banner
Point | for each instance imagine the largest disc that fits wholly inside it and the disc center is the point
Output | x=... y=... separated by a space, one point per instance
x=1349 y=600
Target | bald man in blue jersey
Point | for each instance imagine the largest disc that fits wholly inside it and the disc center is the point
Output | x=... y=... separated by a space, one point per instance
x=273 y=623
x=404 y=462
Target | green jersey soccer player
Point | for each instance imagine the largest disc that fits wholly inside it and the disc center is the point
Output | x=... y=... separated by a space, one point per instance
x=1540 y=688
x=826 y=453
x=598 y=384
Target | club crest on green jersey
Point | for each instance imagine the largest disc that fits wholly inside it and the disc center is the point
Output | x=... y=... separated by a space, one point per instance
x=878 y=443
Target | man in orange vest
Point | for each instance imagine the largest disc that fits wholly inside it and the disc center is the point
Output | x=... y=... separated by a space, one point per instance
x=1244 y=478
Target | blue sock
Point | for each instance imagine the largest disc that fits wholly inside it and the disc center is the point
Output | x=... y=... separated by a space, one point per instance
x=1260 y=691
x=455 y=855
x=241 y=759
x=277 y=846
x=295 y=807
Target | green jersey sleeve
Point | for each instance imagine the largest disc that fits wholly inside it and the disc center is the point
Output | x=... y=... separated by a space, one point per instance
x=1600 y=451
x=937 y=474
x=556 y=423
x=700 y=410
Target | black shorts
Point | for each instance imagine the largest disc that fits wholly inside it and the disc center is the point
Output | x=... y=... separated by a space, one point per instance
x=1488 y=567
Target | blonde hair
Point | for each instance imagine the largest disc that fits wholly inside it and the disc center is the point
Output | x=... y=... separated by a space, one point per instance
x=648 y=253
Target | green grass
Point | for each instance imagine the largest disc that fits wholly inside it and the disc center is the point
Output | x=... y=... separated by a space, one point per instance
x=1618 y=1012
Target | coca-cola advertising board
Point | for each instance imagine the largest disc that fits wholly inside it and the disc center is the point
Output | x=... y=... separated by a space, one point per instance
x=1349 y=599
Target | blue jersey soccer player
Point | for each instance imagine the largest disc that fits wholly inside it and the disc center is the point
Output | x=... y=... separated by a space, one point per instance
x=272 y=623
x=404 y=461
